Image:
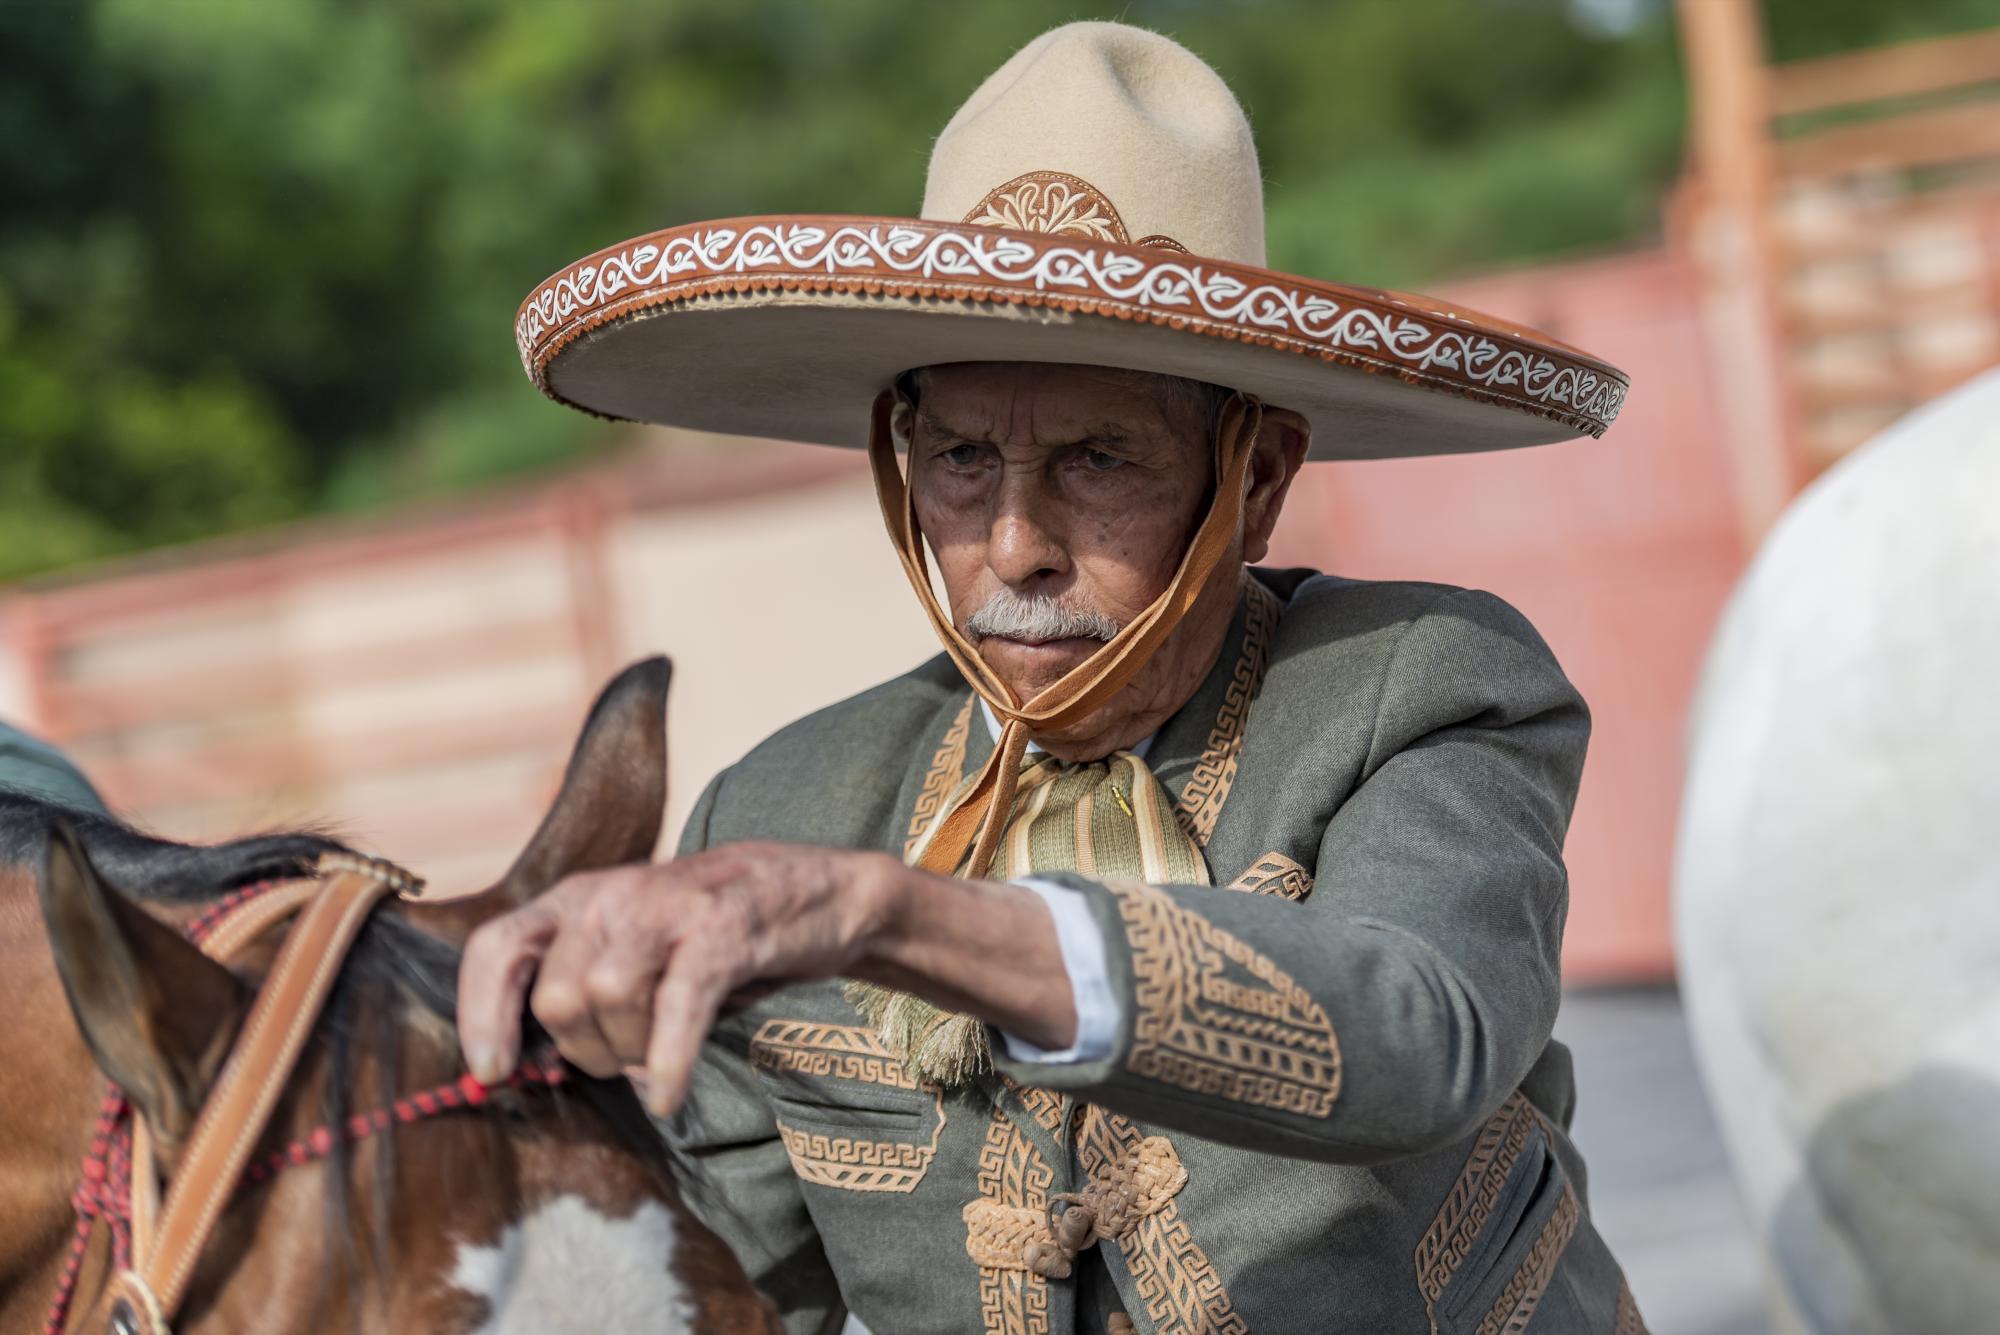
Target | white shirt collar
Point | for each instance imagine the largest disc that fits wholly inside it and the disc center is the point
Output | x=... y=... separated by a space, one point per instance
x=1139 y=748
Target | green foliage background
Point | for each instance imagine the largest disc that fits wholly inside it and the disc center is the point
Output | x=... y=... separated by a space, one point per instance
x=259 y=258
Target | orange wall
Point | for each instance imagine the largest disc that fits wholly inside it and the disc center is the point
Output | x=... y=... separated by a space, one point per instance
x=1621 y=551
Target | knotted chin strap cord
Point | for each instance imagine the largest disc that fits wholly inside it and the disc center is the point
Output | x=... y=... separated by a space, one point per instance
x=104 y=1187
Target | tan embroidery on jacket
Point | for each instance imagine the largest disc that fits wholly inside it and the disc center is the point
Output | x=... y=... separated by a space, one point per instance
x=947 y=768
x=1044 y=1105
x=1200 y=803
x=1013 y=1200
x=1628 y=1321
x=1217 y=1017
x=854 y=1164
x=1470 y=1202
x=1516 y=1304
x=1182 y=1293
x=1127 y=1181
x=842 y=1051
x=846 y=1052
x=1275 y=874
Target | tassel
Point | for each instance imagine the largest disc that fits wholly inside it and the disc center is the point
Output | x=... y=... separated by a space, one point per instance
x=934 y=1045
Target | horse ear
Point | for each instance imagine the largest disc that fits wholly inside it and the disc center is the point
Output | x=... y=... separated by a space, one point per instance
x=157 y=1013
x=614 y=793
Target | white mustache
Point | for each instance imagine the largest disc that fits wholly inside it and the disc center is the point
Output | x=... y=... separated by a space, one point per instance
x=1011 y=616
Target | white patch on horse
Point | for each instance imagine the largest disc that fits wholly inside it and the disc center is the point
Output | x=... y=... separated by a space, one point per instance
x=566 y=1267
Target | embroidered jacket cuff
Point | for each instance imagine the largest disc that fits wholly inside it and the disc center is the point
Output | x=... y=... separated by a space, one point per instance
x=1082 y=943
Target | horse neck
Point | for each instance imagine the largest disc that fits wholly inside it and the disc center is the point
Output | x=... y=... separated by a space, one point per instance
x=49 y=1089
x=271 y=1264
x=362 y=1238
x=532 y=1215
x=487 y=1220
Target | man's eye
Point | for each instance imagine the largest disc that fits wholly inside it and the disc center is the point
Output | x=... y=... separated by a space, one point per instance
x=1101 y=462
x=961 y=456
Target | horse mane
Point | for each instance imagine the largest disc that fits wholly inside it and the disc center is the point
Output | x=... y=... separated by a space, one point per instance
x=147 y=867
x=391 y=956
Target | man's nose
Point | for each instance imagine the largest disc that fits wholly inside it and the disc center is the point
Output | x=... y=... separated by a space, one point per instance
x=1026 y=545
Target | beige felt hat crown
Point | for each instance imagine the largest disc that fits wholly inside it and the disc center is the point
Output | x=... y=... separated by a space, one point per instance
x=1097 y=200
x=1096 y=112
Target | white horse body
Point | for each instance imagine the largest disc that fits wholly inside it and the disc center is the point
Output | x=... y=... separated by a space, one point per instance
x=1838 y=883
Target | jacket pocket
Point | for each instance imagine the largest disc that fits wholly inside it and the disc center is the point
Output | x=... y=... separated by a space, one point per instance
x=857 y=1111
x=849 y=1116
x=1517 y=1252
x=860 y=1149
x=1522 y=1188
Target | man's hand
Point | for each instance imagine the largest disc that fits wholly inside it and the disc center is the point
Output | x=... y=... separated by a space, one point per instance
x=628 y=967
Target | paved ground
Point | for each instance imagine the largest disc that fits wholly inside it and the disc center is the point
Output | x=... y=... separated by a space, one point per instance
x=1659 y=1185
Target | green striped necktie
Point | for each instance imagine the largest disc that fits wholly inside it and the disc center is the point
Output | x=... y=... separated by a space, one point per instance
x=1107 y=819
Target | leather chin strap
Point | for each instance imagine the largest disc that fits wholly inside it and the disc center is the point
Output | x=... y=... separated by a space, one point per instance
x=970 y=831
x=167 y=1239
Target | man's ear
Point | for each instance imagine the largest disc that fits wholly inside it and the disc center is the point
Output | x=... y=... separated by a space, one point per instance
x=157 y=1013
x=1280 y=451
x=614 y=793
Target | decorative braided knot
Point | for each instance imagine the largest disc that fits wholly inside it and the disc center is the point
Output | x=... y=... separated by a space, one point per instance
x=1045 y=1240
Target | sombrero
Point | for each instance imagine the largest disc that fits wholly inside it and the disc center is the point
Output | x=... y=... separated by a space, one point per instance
x=1097 y=201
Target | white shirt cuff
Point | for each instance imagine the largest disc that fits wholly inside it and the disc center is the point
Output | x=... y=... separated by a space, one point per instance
x=1084 y=960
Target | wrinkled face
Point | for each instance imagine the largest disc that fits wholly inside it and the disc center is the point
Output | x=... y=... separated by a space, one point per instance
x=1075 y=484
x=1059 y=501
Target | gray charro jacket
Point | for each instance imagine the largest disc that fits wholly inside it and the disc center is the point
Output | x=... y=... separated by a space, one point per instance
x=1332 y=1106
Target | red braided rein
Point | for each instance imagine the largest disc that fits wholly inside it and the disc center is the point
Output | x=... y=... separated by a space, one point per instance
x=104 y=1190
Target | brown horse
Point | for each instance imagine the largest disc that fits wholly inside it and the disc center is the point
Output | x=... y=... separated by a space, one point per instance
x=547 y=1205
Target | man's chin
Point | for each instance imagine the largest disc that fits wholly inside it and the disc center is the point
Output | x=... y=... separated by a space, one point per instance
x=1030 y=669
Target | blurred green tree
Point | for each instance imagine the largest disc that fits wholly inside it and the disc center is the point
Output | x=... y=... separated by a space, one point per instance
x=261 y=259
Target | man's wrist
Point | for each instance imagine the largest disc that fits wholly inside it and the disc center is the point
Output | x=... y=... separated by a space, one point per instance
x=912 y=917
x=1088 y=973
x=982 y=947
x=886 y=894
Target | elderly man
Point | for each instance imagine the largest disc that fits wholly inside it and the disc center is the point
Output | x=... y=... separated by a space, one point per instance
x=1179 y=951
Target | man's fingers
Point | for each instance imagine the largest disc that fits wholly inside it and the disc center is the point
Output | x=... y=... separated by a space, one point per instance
x=620 y=987
x=493 y=977
x=683 y=1010
x=561 y=1001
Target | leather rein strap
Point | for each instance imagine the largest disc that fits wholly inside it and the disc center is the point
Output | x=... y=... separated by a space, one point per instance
x=167 y=1239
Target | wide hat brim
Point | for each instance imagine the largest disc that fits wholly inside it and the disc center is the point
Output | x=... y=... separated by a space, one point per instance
x=789 y=326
